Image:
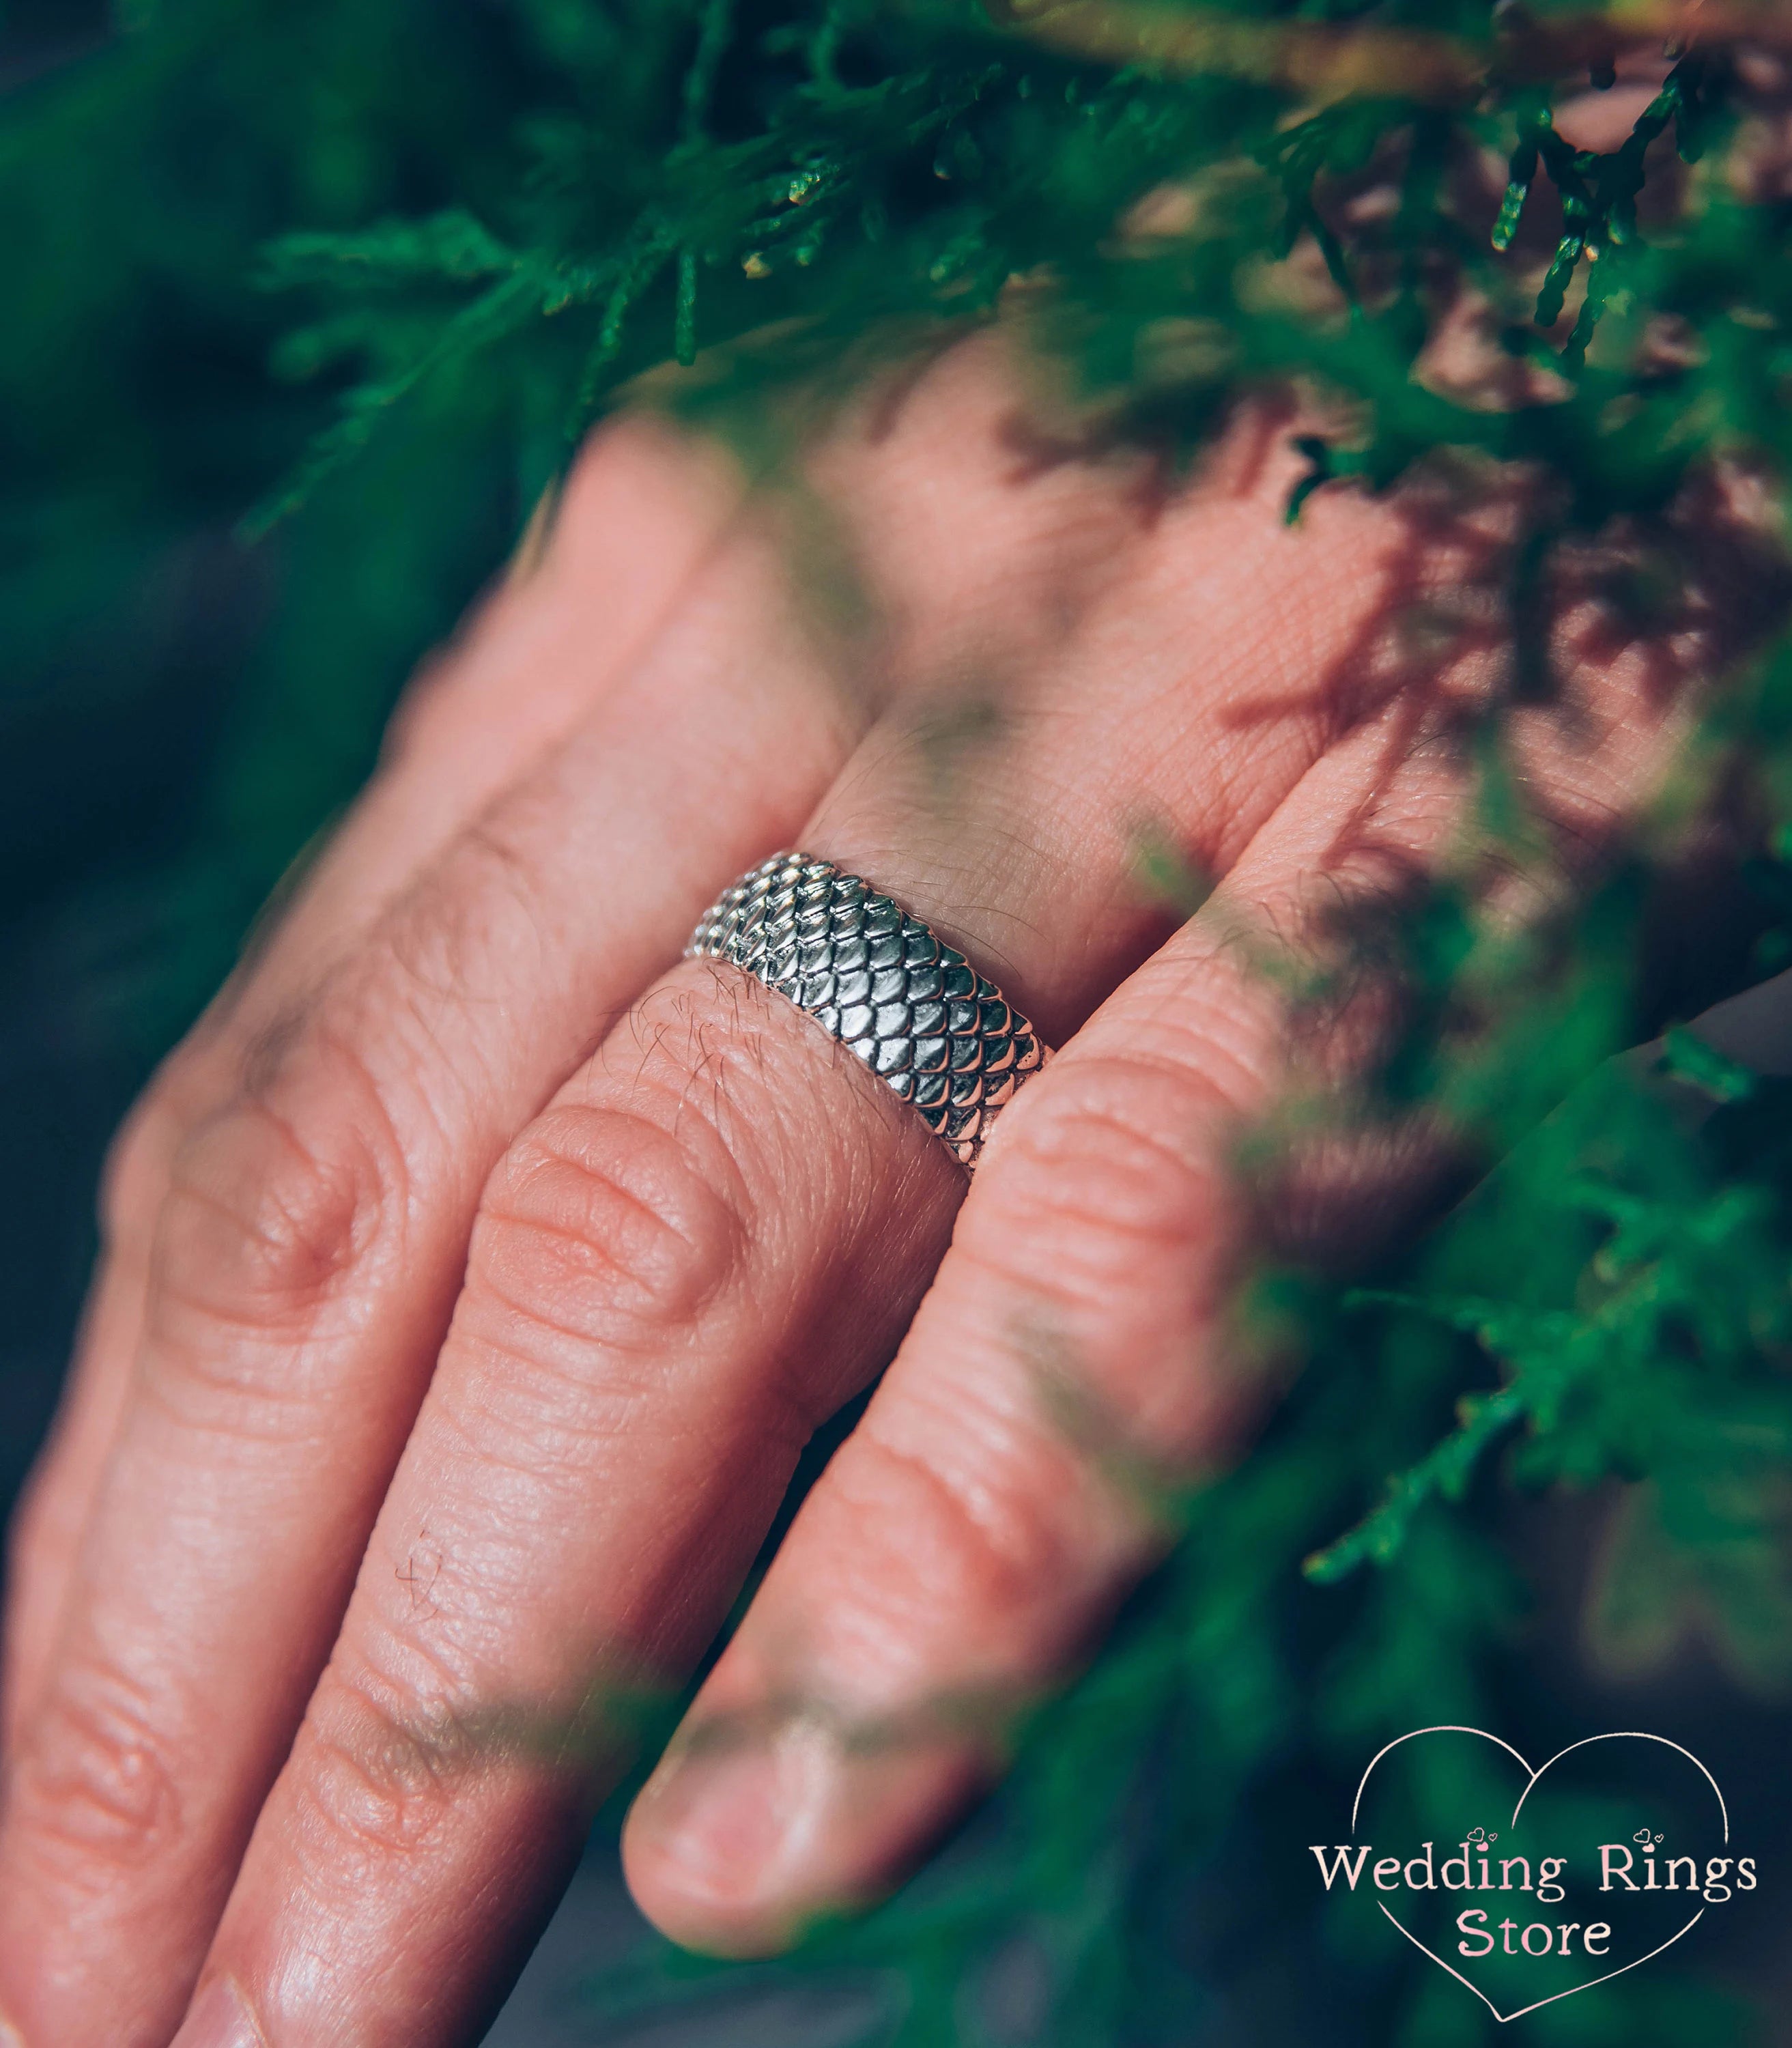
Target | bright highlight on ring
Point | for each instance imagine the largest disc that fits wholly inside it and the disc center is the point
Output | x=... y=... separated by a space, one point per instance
x=910 y=1007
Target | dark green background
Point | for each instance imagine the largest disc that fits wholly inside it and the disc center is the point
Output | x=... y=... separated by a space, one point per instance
x=182 y=711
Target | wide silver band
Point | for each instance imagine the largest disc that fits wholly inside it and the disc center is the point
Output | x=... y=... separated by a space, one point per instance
x=912 y=1008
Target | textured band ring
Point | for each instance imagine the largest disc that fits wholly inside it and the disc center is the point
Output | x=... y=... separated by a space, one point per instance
x=911 y=1007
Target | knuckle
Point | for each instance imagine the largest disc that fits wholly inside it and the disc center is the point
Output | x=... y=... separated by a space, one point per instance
x=96 y=1786
x=371 y=1780
x=483 y=920
x=991 y=1548
x=277 y=1202
x=1126 y=1217
x=601 y=1224
x=1099 y=1177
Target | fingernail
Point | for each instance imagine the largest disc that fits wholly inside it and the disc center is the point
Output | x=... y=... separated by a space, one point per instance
x=734 y=1813
x=219 y=2018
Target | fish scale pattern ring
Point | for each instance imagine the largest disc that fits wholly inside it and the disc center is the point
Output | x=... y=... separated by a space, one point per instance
x=911 y=1007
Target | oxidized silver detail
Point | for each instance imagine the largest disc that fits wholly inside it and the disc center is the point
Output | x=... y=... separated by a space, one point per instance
x=911 y=1007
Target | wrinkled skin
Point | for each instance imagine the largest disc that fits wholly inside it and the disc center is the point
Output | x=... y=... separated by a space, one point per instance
x=476 y=1271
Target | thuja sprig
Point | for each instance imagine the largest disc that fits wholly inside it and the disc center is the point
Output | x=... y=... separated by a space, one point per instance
x=762 y=195
x=1598 y=192
x=1680 y=1317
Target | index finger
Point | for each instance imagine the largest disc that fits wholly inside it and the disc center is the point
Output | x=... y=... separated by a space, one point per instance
x=638 y=512
x=303 y=1267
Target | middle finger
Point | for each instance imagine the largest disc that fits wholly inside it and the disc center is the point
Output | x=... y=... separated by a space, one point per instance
x=713 y=1235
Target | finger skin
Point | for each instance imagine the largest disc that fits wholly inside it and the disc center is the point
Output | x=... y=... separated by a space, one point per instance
x=1075 y=1357
x=652 y=1320
x=965 y=1539
x=303 y=1272
x=639 y=510
x=147 y=1685
x=670 y=1284
x=1242 y=751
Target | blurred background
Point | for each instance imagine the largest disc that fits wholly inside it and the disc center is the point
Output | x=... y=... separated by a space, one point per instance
x=184 y=708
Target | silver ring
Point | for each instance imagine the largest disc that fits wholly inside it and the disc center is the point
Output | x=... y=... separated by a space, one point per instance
x=913 y=1008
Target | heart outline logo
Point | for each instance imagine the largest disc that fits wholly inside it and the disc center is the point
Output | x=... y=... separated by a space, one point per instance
x=1612 y=1735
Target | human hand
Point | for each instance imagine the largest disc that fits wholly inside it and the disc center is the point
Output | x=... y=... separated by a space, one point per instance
x=475 y=1273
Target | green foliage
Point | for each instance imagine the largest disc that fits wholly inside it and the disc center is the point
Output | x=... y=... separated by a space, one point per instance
x=831 y=173
x=375 y=266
